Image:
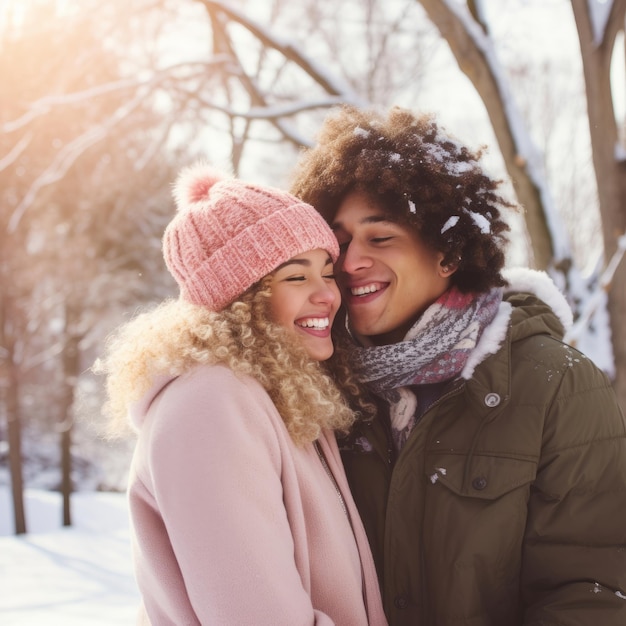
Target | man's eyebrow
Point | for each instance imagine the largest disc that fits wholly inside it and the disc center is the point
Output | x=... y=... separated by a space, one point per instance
x=370 y=219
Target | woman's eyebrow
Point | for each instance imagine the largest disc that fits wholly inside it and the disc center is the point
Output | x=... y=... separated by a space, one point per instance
x=302 y=262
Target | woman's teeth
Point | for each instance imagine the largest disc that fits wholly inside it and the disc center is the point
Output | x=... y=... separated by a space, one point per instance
x=319 y=323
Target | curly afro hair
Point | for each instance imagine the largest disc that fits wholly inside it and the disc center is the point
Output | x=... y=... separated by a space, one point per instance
x=421 y=177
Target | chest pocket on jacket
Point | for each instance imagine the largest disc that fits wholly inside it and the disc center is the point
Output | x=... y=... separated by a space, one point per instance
x=487 y=477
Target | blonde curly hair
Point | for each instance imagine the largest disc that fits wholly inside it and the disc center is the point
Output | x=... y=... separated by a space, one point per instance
x=177 y=336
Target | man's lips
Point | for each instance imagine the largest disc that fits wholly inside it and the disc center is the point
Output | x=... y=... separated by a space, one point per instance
x=365 y=292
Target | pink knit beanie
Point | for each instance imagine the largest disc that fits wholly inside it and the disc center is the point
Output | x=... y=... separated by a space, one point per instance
x=228 y=234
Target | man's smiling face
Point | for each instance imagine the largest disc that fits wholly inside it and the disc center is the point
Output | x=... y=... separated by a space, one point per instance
x=388 y=277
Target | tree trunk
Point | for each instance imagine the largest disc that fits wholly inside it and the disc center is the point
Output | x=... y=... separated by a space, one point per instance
x=473 y=62
x=609 y=169
x=9 y=385
x=66 y=471
x=71 y=360
x=14 y=433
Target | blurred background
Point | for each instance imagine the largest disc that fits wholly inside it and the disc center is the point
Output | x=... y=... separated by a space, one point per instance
x=102 y=103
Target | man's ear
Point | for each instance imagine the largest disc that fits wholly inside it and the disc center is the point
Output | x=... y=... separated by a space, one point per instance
x=446 y=270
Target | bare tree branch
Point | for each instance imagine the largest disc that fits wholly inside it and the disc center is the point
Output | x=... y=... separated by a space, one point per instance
x=331 y=84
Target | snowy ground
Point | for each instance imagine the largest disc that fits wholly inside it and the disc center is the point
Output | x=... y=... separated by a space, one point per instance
x=77 y=576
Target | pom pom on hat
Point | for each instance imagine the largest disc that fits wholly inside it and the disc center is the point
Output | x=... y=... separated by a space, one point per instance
x=194 y=183
x=227 y=235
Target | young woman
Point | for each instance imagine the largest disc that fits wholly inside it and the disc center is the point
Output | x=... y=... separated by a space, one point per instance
x=240 y=508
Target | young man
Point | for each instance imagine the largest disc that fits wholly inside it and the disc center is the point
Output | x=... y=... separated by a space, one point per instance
x=492 y=478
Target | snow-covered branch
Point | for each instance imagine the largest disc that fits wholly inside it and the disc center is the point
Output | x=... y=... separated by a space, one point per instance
x=15 y=151
x=527 y=152
x=598 y=298
x=288 y=109
x=44 y=105
x=68 y=155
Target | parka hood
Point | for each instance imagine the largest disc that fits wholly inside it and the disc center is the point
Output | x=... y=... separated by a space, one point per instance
x=532 y=304
x=548 y=300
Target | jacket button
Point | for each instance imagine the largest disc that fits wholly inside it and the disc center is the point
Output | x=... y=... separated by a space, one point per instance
x=401 y=601
x=479 y=483
x=492 y=399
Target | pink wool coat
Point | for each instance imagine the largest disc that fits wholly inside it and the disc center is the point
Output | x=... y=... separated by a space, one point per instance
x=232 y=523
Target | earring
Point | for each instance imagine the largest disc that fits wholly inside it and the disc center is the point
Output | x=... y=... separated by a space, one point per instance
x=448 y=269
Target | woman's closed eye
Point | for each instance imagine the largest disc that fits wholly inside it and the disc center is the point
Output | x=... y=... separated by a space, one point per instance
x=330 y=276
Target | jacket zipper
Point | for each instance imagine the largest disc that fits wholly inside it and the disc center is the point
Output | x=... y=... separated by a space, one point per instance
x=393 y=456
x=456 y=389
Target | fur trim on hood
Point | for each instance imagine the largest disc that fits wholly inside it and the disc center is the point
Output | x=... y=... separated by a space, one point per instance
x=521 y=280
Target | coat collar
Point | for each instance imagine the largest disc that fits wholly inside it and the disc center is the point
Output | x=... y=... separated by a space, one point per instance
x=546 y=305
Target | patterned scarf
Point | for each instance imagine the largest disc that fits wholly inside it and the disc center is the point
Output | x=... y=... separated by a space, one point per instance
x=434 y=350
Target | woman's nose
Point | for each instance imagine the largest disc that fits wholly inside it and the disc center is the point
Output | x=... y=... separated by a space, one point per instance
x=326 y=293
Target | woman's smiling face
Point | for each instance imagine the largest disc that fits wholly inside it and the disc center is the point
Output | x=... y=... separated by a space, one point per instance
x=305 y=299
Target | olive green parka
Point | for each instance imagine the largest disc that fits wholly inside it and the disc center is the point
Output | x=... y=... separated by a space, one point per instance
x=507 y=504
